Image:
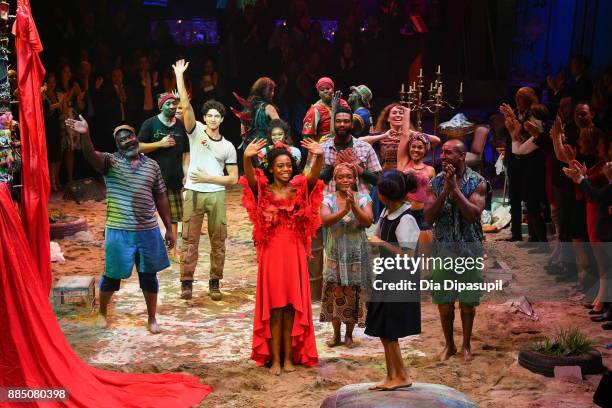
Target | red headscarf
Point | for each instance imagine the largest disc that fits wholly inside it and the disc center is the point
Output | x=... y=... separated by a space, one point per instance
x=325 y=81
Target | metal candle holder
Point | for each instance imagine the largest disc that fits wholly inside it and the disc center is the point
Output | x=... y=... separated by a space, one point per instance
x=413 y=99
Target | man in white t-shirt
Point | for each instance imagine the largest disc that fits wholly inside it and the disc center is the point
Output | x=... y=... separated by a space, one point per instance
x=210 y=155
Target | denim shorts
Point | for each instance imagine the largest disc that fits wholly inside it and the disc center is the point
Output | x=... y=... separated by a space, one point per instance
x=124 y=249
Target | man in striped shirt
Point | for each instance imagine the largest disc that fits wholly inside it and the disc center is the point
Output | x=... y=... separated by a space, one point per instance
x=135 y=190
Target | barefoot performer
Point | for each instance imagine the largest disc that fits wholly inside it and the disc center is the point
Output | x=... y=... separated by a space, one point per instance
x=284 y=208
x=455 y=201
x=135 y=189
x=389 y=318
x=347 y=268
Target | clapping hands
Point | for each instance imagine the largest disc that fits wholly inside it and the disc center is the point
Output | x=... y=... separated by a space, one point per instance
x=450 y=181
x=576 y=171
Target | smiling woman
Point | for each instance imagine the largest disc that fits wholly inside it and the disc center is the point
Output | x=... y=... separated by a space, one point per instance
x=284 y=208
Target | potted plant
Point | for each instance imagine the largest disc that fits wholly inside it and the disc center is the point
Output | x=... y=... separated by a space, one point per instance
x=568 y=347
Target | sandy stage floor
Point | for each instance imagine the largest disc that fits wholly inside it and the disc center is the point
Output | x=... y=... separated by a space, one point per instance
x=212 y=339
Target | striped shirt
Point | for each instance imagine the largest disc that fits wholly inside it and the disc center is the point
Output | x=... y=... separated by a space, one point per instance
x=130 y=202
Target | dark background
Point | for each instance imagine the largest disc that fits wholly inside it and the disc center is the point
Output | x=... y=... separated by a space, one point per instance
x=492 y=46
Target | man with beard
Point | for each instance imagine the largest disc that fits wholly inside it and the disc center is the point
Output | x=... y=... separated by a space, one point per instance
x=163 y=138
x=317 y=122
x=359 y=99
x=135 y=189
x=344 y=148
x=455 y=202
x=210 y=155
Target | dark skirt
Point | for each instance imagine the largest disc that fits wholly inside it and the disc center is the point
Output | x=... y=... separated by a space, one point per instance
x=53 y=139
x=393 y=320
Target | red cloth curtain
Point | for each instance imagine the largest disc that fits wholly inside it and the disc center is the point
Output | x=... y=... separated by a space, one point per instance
x=33 y=350
x=35 y=173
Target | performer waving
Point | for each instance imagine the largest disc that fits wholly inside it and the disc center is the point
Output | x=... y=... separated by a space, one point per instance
x=284 y=208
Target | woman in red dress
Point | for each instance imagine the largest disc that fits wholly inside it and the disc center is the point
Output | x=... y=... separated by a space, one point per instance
x=284 y=208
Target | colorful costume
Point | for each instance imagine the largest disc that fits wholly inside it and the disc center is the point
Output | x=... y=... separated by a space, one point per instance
x=317 y=122
x=362 y=122
x=282 y=232
x=347 y=267
x=453 y=232
x=253 y=118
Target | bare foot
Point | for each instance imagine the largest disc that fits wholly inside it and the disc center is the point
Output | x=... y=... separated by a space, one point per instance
x=153 y=327
x=396 y=383
x=335 y=341
x=348 y=342
x=379 y=386
x=447 y=353
x=101 y=321
x=467 y=353
x=275 y=369
x=288 y=366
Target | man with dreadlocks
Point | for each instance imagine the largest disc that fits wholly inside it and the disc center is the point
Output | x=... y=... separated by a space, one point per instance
x=359 y=99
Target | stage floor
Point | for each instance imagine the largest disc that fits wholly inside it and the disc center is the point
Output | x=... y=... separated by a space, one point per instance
x=212 y=339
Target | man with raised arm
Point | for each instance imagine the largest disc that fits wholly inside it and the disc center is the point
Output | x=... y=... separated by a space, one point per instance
x=210 y=155
x=135 y=189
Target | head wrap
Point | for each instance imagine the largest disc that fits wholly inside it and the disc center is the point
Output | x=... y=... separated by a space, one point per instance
x=421 y=137
x=345 y=166
x=123 y=127
x=364 y=93
x=163 y=98
x=325 y=81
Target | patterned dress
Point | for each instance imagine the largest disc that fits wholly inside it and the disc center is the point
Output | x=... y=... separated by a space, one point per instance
x=346 y=268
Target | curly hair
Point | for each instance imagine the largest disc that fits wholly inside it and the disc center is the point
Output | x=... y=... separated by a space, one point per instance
x=277 y=123
x=272 y=155
x=394 y=184
x=213 y=104
x=382 y=122
x=262 y=88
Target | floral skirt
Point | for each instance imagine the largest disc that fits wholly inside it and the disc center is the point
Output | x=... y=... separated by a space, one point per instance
x=344 y=303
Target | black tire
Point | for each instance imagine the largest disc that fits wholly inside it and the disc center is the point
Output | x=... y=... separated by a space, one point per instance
x=69 y=226
x=590 y=363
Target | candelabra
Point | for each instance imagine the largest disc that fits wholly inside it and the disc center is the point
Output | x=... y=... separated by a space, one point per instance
x=413 y=99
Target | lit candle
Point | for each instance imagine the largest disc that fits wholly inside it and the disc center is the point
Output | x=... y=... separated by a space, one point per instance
x=402 y=87
x=421 y=72
x=431 y=86
x=440 y=90
x=461 y=87
x=414 y=86
x=438 y=70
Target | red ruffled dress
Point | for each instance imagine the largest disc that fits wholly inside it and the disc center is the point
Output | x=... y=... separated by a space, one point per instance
x=282 y=232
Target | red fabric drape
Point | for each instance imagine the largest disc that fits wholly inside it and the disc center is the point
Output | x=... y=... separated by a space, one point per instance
x=33 y=349
x=34 y=352
x=35 y=174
